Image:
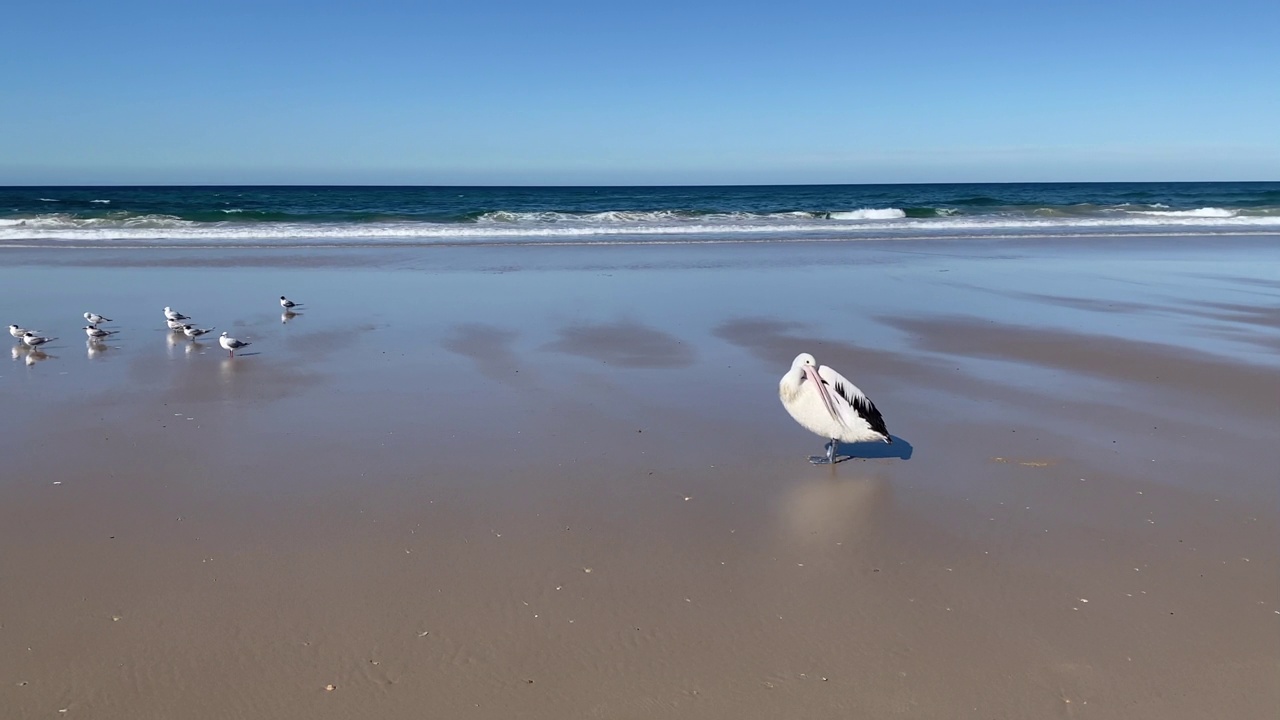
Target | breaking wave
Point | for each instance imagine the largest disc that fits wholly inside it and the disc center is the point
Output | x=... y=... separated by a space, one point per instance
x=868 y=214
x=297 y=216
x=502 y=227
x=1206 y=212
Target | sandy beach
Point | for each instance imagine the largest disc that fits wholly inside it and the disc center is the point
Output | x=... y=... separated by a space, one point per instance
x=557 y=482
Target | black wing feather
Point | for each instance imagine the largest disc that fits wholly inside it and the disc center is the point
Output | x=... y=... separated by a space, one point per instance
x=866 y=410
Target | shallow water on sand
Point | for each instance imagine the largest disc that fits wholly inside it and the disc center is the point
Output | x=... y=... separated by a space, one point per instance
x=559 y=483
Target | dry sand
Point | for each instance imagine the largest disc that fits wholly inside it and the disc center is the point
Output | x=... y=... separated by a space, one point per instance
x=558 y=483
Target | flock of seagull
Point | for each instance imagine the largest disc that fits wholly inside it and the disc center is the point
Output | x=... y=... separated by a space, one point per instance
x=820 y=399
x=176 y=321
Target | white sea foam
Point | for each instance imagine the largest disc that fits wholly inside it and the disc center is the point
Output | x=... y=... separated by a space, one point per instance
x=100 y=201
x=1204 y=212
x=154 y=229
x=869 y=214
x=164 y=229
x=606 y=217
x=56 y=222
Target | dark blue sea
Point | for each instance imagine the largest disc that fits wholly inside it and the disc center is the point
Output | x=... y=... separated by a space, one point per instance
x=353 y=216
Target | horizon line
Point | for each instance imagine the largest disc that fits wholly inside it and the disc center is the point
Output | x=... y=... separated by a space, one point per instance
x=626 y=185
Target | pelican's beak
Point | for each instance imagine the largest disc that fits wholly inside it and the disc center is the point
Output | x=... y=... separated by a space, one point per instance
x=812 y=373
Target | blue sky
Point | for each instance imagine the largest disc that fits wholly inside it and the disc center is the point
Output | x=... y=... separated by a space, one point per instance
x=657 y=92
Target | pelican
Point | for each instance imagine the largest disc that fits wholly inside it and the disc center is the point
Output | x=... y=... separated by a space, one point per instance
x=288 y=304
x=194 y=332
x=96 y=333
x=18 y=332
x=171 y=314
x=32 y=340
x=824 y=402
x=95 y=318
x=230 y=344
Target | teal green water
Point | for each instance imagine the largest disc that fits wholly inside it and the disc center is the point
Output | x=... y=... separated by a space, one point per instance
x=286 y=216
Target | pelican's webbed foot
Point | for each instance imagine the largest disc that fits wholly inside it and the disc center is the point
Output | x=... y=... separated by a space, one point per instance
x=828 y=459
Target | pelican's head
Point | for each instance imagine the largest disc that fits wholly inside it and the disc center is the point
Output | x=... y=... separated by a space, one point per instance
x=802 y=368
x=802 y=360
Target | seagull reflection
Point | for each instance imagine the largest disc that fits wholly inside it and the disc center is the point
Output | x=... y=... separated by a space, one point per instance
x=227 y=370
x=95 y=348
x=35 y=356
x=288 y=315
x=19 y=350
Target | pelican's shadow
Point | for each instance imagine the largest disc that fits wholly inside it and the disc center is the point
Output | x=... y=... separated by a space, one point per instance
x=899 y=448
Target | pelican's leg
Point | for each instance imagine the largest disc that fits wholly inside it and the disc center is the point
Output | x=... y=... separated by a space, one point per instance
x=825 y=459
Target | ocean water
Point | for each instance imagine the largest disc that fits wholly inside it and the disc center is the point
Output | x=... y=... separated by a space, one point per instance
x=354 y=216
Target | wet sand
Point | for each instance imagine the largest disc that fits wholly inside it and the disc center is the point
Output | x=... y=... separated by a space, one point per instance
x=558 y=483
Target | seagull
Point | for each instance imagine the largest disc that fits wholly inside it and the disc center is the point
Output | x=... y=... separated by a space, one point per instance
x=288 y=304
x=826 y=403
x=32 y=340
x=96 y=333
x=176 y=325
x=17 y=332
x=194 y=332
x=95 y=318
x=230 y=344
x=172 y=314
